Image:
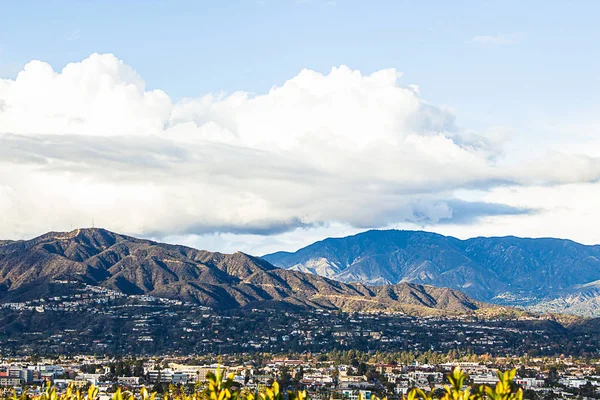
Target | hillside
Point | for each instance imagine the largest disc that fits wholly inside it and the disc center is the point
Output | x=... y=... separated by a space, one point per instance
x=547 y=273
x=136 y=266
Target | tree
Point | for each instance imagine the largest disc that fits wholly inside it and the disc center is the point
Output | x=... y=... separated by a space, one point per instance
x=299 y=375
x=430 y=380
x=118 y=369
x=587 y=390
x=138 y=368
x=285 y=377
x=553 y=376
x=362 y=369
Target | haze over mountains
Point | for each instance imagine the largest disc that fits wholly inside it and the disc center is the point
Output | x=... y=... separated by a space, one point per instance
x=135 y=266
x=543 y=274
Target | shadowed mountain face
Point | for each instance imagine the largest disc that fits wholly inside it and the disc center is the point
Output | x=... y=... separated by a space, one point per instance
x=505 y=270
x=135 y=266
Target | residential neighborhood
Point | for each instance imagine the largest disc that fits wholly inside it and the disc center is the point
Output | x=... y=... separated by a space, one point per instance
x=540 y=377
x=84 y=319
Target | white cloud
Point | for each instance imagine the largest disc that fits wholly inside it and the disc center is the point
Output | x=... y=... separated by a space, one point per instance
x=565 y=211
x=98 y=96
x=337 y=150
x=498 y=39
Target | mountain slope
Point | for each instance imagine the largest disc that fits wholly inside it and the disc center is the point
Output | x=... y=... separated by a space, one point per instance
x=136 y=266
x=508 y=269
x=583 y=300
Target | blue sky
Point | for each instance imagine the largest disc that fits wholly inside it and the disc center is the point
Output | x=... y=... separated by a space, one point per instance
x=190 y=48
x=528 y=68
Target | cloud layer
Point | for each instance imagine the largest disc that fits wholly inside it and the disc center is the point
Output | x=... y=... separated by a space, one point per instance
x=90 y=142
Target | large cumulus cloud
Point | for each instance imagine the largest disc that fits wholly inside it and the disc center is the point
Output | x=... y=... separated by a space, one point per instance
x=90 y=142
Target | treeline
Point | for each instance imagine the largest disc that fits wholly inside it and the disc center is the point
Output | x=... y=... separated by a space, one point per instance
x=404 y=357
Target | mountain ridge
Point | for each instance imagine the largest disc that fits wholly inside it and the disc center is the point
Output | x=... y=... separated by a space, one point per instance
x=139 y=266
x=508 y=269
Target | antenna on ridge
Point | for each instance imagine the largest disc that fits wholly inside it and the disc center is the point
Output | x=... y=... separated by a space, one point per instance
x=93 y=223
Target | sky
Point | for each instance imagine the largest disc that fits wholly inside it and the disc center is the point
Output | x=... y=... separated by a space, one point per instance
x=267 y=125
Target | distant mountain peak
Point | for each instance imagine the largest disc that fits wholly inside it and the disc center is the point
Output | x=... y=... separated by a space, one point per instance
x=513 y=270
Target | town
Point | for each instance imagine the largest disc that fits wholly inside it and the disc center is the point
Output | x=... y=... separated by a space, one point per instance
x=323 y=376
x=94 y=320
x=85 y=335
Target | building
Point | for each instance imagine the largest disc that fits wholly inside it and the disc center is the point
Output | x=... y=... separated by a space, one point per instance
x=129 y=380
x=356 y=394
x=8 y=381
x=317 y=379
x=194 y=373
x=63 y=383
x=489 y=378
x=93 y=379
x=529 y=383
x=163 y=375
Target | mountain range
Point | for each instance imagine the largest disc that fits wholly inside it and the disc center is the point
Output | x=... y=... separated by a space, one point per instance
x=544 y=274
x=136 y=266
